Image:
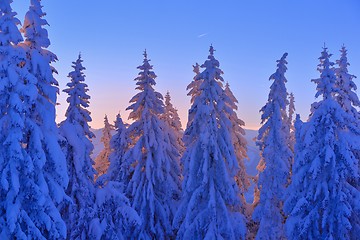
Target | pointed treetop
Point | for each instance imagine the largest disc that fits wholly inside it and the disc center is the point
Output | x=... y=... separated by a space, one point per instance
x=343 y=63
x=326 y=82
x=78 y=64
x=211 y=63
x=167 y=97
x=284 y=56
x=281 y=69
x=36 y=36
x=227 y=85
x=118 y=122
x=212 y=50
x=145 y=54
x=282 y=63
x=325 y=55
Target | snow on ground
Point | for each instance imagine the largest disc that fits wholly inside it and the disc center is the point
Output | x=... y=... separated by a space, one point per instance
x=253 y=153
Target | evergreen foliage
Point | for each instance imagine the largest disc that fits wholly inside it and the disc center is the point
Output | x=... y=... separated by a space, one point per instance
x=321 y=200
x=210 y=207
x=102 y=160
x=276 y=155
x=32 y=179
x=155 y=181
x=78 y=148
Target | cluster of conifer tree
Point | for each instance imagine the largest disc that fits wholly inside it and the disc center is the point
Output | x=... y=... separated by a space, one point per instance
x=155 y=181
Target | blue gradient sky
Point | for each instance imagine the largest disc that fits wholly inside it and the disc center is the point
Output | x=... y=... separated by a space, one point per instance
x=249 y=37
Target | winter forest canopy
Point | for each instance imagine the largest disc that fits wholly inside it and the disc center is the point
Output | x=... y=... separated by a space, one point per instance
x=157 y=179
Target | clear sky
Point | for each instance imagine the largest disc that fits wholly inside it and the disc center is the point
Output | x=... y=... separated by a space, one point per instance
x=249 y=37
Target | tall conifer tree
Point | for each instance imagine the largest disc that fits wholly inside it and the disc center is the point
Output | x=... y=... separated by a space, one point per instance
x=275 y=159
x=78 y=148
x=155 y=180
x=43 y=112
x=237 y=138
x=120 y=142
x=110 y=197
x=321 y=200
x=349 y=101
x=102 y=160
x=171 y=117
x=32 y=178
x=210 y=207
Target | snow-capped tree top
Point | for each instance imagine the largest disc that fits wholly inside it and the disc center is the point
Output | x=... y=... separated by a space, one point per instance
x=326 y=82
x=278 y=92
x=40 y=59
x=347 y=97
x=281 y=68
x=9 y=33
x=36 y=36
x=119 y=124
x=78 y=99
x=212 y=70
x=343 y=61
x=145 y=81
x=168 y=99
x=106 y=133
x=146 y=75
x=212 y=50
x=171 y=115
x=145 y=55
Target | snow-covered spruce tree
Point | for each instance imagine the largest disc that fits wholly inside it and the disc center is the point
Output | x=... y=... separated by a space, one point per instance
x=118 y=169
x=155 y=179
x=171 y=117
x=27 y=209
x=210 y=207
x=237 y=138
x=102 y=160
x=43 y=112
x=275 y=160
x=346 y=95
x=110 y=196
x=78 y=148
x=321 y=201
x=348 y=100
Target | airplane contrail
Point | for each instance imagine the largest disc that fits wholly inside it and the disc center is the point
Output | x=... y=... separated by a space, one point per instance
x=202 y=35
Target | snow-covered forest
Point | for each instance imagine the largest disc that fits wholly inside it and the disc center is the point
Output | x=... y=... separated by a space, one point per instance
x=148 y=176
